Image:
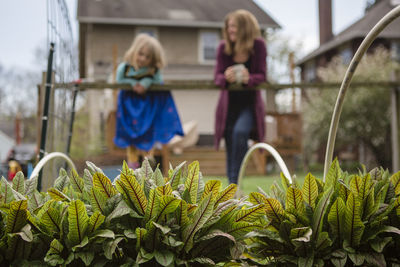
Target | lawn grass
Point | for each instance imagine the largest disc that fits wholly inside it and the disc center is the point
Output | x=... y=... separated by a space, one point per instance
x=251 y=183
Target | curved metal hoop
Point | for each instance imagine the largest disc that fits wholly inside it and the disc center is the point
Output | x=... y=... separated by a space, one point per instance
x=371 y=36
x=273 y=152
x=49 y=157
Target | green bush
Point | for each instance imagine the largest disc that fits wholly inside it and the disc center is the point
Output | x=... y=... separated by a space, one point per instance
x=141 y=218
x=350 y=220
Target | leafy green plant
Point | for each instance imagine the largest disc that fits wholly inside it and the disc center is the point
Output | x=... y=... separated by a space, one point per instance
x=350 y=220
x=142 y=218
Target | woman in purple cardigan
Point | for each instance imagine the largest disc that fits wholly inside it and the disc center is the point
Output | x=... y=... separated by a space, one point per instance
x=241 y=58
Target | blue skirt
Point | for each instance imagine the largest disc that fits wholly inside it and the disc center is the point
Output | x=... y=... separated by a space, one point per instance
x=143 y=120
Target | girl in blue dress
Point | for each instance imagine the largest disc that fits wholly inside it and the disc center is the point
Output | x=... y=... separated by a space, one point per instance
x=144 y=118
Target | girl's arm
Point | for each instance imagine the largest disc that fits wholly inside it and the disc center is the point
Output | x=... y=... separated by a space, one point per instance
x=157 y=79
x=219 y=76
x=258 y=75
x=121 y=73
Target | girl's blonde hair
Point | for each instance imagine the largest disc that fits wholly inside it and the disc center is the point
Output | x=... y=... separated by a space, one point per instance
x=248 y=29
x=151 y=43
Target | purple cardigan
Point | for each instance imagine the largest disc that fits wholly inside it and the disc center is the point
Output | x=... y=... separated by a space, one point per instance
x=257 y=75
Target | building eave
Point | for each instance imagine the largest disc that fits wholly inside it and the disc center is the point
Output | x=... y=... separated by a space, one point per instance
x=159 y=22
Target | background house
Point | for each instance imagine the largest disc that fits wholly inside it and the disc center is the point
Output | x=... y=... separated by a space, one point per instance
x=189 y=31
x=345 y=43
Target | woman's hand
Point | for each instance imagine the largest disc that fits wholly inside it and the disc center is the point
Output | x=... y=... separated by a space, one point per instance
x=139 y=89
x=230 y=75
x=245 y=76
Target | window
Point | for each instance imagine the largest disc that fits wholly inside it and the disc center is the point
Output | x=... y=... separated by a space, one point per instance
x=310 y=74
x=208 y=46
x=148 y=30
x=396 y=50
x=346 y=55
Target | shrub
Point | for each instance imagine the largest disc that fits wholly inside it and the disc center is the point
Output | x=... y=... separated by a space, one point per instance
x=350 y=220
x=142 y=218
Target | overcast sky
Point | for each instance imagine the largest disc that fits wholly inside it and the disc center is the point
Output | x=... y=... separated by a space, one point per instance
x=23 y=24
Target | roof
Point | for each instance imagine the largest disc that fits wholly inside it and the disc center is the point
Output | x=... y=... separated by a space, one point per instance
x=182 y=13
x=360 y=29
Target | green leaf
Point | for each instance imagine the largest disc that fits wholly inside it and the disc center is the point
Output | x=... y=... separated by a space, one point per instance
x=26 y=233
x=140 y=234
x=355 y=185
x=152 y=205
x=55 y=194
x=273 y=209
x=97 y=200
x=226 y=194
x=353 y=226
x=369 y=205
x=285 y=181
x=6 y=192
x=62 y=181
x=216 y=233
x=87 y=179
x=343 y=192
x=168 y=204
x=122 y=209
x=17 y=216
x=110 y=246
x=395 y=180
x=257 y=198
x=240 y=229
x=18 y=182
x=294 y=199
x=336 y=217
x=202 y=214
x=365 y=187
x=95 y=221
x=176 y=175
x=306 y=262
x=333 y=175
x=212 y=186
x=53 y=256
x=86 y=256
x=182 y=214
x=133 y=192
x=78 y=221
x=302 y=234
x=251 y=214
x=50 y=217
x=164 y=257
x=192 y=182
x=158 y=177
x=320 y=211
x=164 y=229
x=103 y=184
x=310 y=190
x=378 y=244
x=164 y=190
x=77 y=182
x=323 y=242
x=146 y=172
x=31 y=186
x=357 y=258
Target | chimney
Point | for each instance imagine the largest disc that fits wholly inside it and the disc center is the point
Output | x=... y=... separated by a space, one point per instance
x=325 y=21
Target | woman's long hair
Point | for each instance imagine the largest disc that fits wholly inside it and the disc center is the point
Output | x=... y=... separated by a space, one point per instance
x=248 y=30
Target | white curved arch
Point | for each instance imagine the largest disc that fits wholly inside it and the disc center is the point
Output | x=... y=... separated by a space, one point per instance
x=48 y=157
x=273 y=152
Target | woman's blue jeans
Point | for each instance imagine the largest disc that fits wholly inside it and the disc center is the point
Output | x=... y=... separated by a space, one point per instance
x=237 y=133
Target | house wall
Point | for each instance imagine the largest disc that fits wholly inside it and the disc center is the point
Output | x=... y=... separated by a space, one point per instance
x=181 y=47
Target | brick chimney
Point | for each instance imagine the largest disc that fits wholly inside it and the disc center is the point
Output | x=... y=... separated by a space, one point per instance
x=325 y=21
